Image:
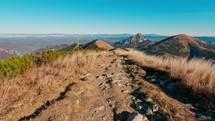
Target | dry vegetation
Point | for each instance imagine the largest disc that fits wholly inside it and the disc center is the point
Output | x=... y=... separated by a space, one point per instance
x=197 y=74
x=22 y=95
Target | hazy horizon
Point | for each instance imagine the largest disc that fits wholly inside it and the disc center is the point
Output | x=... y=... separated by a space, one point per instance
x=193 y=17
x=75 y=34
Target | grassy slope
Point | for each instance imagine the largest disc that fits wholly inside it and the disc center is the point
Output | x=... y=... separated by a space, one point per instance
x=196 y=74
x=43 y=83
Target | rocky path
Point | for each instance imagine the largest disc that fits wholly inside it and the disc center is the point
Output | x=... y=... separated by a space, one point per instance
x=119 y=90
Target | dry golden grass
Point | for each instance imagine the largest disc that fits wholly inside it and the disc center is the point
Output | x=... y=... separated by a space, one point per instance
x=197 y=74
x=22 y=95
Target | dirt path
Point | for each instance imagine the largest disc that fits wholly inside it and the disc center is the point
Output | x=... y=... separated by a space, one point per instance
x=112 y=92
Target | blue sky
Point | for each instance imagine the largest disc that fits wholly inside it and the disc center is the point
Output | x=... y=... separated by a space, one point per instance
x=167 y=17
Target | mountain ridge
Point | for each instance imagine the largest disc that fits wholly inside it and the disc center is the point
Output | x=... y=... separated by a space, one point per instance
x=180 y=45
x=132 y=41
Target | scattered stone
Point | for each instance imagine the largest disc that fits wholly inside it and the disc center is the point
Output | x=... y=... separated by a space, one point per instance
x=99 y=77
x=136 y=117
x=77 y=102
x=152 y=80
x=112 y=106
x=102 y=66
x=128 y=75
x=139 y=108
x=118 y=65
x=128 y=84
x=153 y=76
x=99 y=109
x=119 y=84
x=107 y=86
x=104 y=86
x=88 y=75
x=82 y=78
x=142 y=72
x=133 y=98
x=154 y=108
x=116 y=81
x=109 y=81
x=137 y=101
x=148 y=111
x=190 y=106
x=148 y=100
x=109 y=76
x=126 y=91
x=204 y=118
x=123 y=62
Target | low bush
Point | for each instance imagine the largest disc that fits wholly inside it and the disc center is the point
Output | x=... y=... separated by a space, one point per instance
x=14 y=66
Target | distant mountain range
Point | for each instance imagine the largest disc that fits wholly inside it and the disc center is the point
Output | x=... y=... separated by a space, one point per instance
x=178 y=45
x=28 y=43
x=87 y=37
x=99 y=44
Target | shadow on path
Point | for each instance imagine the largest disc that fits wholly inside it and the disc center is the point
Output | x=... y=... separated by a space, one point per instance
x=47 y=104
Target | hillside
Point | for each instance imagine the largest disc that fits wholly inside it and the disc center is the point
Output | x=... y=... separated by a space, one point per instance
x=90 y=45
x=98 y=44
x=73 y=46
x=133 y=41
x=181 y=45
x=53 y=47
x=108 y=85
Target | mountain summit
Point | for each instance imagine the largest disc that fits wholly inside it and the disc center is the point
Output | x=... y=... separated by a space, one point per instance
x=98 y=44
x=181 y=45
x=133 y=41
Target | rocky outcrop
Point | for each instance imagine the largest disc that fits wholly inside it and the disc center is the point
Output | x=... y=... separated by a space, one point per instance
x=133 y=41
